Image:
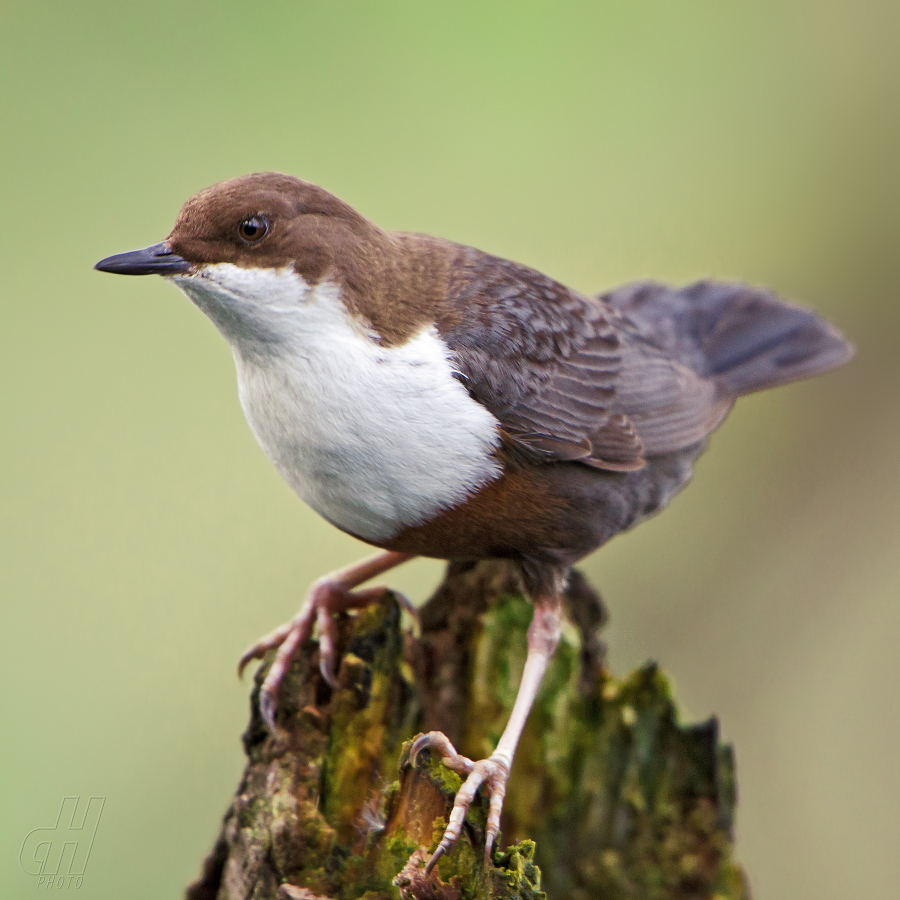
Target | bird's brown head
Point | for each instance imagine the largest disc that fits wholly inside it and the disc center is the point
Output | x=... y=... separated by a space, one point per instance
x=247 y=236
x=264 y=221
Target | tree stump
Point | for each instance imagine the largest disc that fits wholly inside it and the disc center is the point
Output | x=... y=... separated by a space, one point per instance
x=609 y=798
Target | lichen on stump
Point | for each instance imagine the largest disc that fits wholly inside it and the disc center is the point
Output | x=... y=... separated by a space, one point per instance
x=609 y=796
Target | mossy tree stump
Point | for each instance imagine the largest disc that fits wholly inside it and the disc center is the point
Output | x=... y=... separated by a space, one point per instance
x=610 y=798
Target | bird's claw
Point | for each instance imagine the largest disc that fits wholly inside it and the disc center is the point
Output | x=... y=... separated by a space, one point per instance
x=492 y=772
x=439 y=742
x=267 y=707
x=259 y=649
x=325 y=599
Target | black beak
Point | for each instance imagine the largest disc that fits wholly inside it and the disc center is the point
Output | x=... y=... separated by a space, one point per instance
x=156 y=260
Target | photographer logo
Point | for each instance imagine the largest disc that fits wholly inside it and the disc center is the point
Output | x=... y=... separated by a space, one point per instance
x=58 y=854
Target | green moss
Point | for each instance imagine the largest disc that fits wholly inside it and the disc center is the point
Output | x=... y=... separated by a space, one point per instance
x=515 y=876
x=621 y=799
x=399 y=847
x=609 y=796
x=446 y=780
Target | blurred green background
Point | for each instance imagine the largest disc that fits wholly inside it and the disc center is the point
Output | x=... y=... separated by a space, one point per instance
x=145 y=538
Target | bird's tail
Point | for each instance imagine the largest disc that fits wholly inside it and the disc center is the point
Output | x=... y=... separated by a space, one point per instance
x=744 y=338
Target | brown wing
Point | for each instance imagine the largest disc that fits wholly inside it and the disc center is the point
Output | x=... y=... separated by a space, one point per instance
x=566 y=375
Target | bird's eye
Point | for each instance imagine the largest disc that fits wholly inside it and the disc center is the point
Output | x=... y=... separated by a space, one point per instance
x=253 y=229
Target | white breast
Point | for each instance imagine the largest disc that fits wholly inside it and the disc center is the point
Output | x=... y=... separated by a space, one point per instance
x=374 y=438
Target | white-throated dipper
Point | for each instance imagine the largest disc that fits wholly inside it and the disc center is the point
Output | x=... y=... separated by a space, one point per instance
x=434 y=400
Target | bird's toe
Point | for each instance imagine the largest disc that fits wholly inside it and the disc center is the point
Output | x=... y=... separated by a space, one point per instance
x=438 y=742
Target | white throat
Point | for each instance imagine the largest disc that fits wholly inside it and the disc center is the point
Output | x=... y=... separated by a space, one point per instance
x=374 y=438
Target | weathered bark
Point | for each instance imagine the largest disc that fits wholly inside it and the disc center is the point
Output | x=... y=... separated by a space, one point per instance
x=609 y=797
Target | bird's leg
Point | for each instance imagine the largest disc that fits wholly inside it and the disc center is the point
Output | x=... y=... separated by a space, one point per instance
x=493 y=772
x=328 y=596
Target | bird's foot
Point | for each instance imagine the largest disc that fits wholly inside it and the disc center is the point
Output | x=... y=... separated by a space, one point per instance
x=325 y=600
x=492 y=772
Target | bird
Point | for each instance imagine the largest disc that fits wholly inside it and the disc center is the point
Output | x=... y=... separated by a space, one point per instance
x=435 y=400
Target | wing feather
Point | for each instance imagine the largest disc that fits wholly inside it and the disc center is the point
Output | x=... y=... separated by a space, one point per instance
x=569 y=378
